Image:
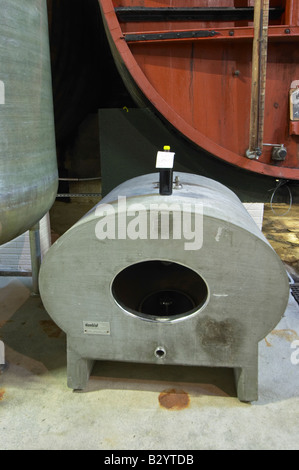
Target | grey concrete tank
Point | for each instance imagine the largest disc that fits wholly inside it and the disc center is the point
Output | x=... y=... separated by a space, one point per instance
x=129 y=283
x=28 y=168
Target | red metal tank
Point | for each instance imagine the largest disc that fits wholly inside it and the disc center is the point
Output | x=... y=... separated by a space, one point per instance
x=220 y=73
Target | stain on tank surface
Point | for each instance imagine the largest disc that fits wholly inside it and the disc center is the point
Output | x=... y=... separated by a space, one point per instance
x=219 y=336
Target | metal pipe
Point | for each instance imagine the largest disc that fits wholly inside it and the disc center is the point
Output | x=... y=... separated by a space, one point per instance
x=81 y=179
x=259 y=66
x=35 y=252
x=66 y=195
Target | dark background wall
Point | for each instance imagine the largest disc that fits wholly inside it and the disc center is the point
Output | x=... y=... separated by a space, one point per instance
x=83 y=72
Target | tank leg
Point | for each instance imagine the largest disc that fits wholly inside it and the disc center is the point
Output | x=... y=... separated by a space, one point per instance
x=246 y=379
x=35 y=252
x=78 y=370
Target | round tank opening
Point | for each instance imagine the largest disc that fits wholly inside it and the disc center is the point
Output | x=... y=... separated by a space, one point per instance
x=159 y=290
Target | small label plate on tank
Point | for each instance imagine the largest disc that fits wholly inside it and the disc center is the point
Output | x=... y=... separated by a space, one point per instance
x=96 y=328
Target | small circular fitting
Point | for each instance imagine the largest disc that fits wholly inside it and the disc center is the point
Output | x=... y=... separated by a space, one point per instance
x=160 y=352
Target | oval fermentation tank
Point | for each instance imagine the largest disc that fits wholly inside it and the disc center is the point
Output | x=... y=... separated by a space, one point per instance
x=28 y=166
x=185 y=279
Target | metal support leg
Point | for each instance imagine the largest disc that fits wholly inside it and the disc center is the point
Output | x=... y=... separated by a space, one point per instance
x=35 y=251
x=2 y=357
x=78 y=369
x=246 y=379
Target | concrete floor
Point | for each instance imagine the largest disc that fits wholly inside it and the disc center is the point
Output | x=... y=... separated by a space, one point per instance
x=127 y=406
x=135 y=406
